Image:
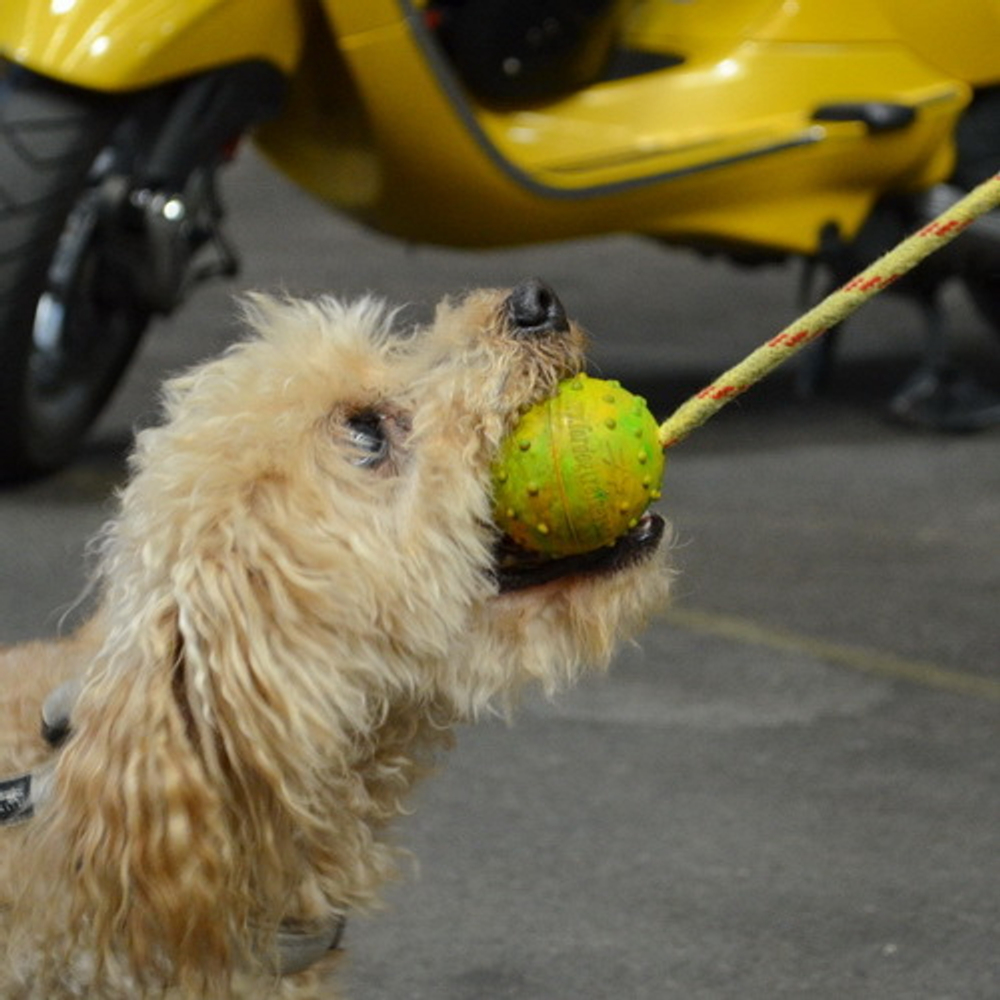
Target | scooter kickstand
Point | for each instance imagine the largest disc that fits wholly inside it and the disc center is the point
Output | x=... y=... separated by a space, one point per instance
x=814 y=370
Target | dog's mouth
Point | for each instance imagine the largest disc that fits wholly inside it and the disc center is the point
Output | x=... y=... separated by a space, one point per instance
x=534 y=316
x=518 y=569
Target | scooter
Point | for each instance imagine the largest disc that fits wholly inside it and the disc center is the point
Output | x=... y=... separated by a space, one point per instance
x=757 y=128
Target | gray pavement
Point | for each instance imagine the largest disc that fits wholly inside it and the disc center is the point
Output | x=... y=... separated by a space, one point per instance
x=791 y=788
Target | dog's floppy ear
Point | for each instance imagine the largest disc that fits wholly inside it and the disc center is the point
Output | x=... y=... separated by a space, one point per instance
x=137 y=834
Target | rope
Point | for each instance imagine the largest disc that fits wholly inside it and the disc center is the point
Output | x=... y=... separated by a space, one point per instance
x=834 y=309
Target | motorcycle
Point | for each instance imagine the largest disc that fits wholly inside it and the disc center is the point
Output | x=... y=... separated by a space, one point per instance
x=761 y=129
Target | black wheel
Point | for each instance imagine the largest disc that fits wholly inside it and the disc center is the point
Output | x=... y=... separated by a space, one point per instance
x=68 y=327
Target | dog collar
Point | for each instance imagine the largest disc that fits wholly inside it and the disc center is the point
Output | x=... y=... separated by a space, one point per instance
x=19 y=796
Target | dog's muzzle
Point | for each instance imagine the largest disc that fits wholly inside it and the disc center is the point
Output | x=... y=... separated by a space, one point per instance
x=534 y=310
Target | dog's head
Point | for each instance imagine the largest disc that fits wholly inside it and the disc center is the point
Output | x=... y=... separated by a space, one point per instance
x=303 y=561
x=323 y=491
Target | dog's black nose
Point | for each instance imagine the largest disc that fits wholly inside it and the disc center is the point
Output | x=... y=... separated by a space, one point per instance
x=535 y=310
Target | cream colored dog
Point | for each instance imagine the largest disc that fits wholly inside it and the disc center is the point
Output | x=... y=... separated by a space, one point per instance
x=301 y=595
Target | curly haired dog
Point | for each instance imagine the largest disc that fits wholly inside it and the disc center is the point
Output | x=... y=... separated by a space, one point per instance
x=301 y=594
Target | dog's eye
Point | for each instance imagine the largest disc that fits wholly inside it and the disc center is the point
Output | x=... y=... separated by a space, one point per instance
x=367 y=435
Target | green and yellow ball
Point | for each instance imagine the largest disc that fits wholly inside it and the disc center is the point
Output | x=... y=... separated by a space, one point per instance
x=578 y=470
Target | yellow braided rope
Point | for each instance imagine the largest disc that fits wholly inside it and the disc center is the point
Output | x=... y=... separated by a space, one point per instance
x=832 y=310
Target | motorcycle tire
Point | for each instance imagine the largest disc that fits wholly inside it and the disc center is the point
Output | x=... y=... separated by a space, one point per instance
x=66 y=332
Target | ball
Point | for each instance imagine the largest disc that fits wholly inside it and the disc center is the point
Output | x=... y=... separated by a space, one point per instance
x=578 y=469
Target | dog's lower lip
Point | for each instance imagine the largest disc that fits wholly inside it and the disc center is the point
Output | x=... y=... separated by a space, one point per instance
x=518 y=569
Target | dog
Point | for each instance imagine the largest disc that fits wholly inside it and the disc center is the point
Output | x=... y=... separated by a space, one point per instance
x=300 y=596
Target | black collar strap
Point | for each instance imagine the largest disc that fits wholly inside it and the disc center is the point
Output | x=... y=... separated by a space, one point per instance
x=20 y=796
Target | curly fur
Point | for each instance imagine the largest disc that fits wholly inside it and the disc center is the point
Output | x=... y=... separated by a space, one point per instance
x=284 y=637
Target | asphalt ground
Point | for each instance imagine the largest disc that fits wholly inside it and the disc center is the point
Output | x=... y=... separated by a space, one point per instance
x=791 y=786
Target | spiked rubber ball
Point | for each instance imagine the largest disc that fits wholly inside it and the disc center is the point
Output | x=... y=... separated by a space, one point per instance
x=578 y=470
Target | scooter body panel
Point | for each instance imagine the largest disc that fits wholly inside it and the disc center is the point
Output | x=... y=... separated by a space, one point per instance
x=727 y=147
x=723 y=149
x=125 y=46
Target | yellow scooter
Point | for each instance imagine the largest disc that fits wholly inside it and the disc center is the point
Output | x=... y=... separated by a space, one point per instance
x=761 y=128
